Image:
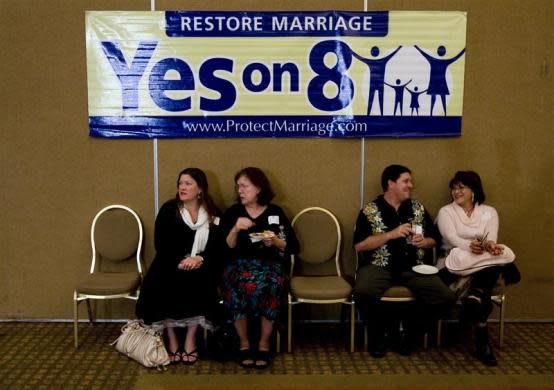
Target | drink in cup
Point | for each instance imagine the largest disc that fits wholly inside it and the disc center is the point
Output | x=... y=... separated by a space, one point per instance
x=416 y=229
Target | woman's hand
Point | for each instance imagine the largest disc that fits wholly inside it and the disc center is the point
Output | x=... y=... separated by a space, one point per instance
x=191 y=263
x=276 y=242
x=493 y=248
x=243 y=223
x=476 y=247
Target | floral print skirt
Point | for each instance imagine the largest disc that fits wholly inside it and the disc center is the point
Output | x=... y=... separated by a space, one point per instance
x=254 y=288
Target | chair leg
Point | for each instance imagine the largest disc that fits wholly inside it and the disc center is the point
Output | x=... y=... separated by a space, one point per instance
x=277 y=341
x=502 y=314
x=289 y=330
x=439 y=332
x=352 y=327
x=365 y=337
x=89 y=310
x=75 y=320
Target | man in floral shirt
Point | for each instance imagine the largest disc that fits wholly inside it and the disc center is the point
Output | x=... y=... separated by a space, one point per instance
x=393 y=234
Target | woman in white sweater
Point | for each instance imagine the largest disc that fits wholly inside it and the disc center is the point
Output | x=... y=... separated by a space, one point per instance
x=472 y=226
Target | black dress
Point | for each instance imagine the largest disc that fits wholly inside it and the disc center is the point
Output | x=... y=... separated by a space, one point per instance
x=255 y=281
x=173 y=297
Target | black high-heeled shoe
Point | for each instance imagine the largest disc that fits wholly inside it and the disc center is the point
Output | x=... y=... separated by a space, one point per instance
x=486 y=355
x=484 y=351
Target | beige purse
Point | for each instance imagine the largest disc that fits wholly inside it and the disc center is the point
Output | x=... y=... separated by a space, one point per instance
x=143 y=344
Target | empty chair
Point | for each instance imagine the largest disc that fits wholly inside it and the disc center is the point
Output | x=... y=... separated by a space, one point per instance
x=319 y=234
x=116 y=238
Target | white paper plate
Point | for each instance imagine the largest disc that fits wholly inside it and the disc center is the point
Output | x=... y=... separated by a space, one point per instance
x=257 y=237
x=425 y=269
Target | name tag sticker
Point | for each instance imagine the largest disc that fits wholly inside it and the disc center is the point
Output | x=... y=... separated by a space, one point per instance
x=273 y=220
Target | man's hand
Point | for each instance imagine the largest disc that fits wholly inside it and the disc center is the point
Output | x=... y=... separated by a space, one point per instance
x=400 y=231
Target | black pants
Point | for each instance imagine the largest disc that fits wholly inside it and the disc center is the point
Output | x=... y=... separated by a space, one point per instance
x=481 y=285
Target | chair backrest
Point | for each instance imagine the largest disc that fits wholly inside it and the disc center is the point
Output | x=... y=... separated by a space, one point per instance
x=116 y=234
x=319 y=234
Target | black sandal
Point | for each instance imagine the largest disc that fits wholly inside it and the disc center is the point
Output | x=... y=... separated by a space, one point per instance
x=193 y=354
x=245 y=358
x=262 y=360
x=175 y=357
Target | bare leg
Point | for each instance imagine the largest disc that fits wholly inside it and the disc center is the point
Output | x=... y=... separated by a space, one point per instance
x=267 y=330
x=262 y=358
x=241 y=326
x=191 y=355
x=173 y=345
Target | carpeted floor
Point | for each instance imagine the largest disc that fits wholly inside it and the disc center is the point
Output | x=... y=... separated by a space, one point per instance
x=41 y=355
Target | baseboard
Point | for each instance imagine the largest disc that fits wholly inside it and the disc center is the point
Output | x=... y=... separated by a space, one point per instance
x=123 y=320
x=59 y=320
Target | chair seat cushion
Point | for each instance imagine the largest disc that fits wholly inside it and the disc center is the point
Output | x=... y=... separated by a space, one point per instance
x=320 y=287
x=109 y=283
x=398 y=292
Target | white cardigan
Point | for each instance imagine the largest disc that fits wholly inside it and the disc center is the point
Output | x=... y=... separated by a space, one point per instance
x=458 y=230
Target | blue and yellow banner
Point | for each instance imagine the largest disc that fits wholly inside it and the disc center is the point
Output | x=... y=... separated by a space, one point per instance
x=184 y=74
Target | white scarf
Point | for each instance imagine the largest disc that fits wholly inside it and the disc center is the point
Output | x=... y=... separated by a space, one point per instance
x=202 y=228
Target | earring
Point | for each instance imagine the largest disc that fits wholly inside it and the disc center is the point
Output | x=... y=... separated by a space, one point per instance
x=199 y=196
x=472 y=198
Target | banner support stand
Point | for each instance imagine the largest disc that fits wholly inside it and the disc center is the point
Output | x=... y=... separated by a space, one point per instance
x=362 y=155
x=155 y=151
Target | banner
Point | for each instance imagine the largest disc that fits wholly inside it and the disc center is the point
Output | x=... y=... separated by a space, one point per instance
x=178 y=74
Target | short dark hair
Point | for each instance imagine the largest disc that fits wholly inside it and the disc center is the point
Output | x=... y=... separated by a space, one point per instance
x=392 y=172
x=472 y=180
x=260 y=180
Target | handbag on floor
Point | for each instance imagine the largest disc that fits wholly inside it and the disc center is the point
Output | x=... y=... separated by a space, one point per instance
x=224 y=343
x=461 y=262
x=142 y=343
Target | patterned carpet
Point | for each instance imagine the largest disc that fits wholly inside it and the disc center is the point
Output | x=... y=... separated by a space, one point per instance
x=41 y=355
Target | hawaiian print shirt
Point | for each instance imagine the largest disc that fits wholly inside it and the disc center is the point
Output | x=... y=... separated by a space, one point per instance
x=397 y=255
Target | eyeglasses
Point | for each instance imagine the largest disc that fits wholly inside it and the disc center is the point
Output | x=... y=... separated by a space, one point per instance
x=459 y=187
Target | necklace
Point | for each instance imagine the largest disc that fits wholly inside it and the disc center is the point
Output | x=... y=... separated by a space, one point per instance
x=469 y=211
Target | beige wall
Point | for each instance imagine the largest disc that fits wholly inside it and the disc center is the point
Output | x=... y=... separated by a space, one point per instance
x=55 y=177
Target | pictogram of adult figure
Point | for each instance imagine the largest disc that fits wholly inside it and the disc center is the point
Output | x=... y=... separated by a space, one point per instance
x=398 y=94
x=414 y=99
x=377 y=75
x=437 y=79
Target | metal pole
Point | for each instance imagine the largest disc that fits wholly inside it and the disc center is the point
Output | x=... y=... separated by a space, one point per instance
x=155 y=151
x=362 y=154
